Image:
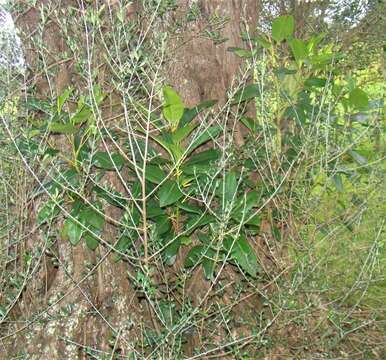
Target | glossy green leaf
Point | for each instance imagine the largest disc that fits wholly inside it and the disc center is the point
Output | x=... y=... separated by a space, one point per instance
x=169 y=193
x=60 y=128
x=108 y=161
x=230 y=186
x=72 y=231
x=209 y=264
x=81 y=116
x=171 y=251
x=173 y=108
x=283 y=27
x=189 y=208
x=198 y=221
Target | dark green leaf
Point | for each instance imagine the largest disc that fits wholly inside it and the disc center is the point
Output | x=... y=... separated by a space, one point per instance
x=190 y=114
x=243 y=254
x=108 y=161
x=246 y=93
x=315 y=82
x=171 y=251
x=169 y=193
x=91 y=241
x=194 y=256
x=205 y=136
x=90 y=217
x=154 y=174
x=189 y=208
x=203 y=157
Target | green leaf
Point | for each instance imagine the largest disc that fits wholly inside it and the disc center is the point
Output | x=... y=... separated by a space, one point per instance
x=246 y=93
x=189 y=208
x=169 y=193
x=361 y=160
x=190 y=114
x=243 y=53
x=230 y=186
x=338 y=182
x=182 y=133
x=299 y=49
x=358 y=99
x=194 y=256
x=72 y=231
x=90 y=217
x=113 y=197
x=48 y=212
x=175 y=150
x=173 y=108
x=315 y=82
x=106 y=161
x=154 y=174
x=81 y=116
x=202 y=138
x=163 y=224
x=198 y=221
x=203 y=157
x=171 y=251
x=60 y=128
x=263 y=42
x=243 y=254
x=91 y=241
x=209 y=264
x=283 y=27
x=62 y=99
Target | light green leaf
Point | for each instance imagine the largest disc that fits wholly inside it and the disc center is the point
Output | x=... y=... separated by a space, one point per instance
x=241 y=52
x=283 y=27
x=60 y=128
x=173 y=108
x=204 y=157
x=169 y=193
x=358 y=99
x=190 y=114
x=299 y=49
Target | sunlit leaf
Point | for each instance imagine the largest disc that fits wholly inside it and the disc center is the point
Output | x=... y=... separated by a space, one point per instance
x=283 y=27
x=173 y=108
x=169 y=193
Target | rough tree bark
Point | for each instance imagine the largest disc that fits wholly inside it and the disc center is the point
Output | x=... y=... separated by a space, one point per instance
x=201 y=70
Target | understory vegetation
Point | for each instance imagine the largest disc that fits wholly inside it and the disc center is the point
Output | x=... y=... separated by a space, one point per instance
x=134 y=226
